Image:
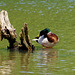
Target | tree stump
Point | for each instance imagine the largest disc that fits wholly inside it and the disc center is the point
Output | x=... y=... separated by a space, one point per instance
x=7 y=31
x=25 y=39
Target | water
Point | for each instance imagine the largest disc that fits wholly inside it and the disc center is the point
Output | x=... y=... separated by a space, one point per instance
x=57 y=15
x=40 y=62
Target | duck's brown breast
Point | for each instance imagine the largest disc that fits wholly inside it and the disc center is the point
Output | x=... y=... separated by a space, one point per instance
x=52 y=37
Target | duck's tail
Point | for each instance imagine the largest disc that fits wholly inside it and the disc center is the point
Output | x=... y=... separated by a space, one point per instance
x=34 y=39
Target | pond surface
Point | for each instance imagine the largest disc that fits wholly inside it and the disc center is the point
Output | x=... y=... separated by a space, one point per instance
x=57 y=15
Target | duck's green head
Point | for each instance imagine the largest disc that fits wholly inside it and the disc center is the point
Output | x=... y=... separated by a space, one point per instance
x=48 y=30
x=45 y=31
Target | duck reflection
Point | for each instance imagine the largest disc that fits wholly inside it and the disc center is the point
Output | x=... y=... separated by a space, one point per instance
x=47 y=61
x=49 y=55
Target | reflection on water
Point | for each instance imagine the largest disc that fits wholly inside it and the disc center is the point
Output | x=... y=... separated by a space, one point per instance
x=39 y=62
x=47 y=61
x=48 y=56
x=25 y=63
x=7 y=64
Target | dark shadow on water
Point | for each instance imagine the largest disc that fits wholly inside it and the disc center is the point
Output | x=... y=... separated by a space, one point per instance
x=20 y=51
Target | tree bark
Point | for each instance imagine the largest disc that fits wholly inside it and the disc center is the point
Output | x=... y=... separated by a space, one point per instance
x=7 y=31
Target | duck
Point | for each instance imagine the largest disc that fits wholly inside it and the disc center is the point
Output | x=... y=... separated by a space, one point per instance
x=46 y=38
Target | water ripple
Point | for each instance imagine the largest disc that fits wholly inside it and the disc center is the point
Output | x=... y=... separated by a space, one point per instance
x=71 y=51
x=41 y=64
x=25 y=72
x=62 y=60
x=2 y=4
x=1 y=66
x=40 y=11
x=70 y=0
x=70 y=7
x=73 y=69
x=43 y=1
x=49 y=8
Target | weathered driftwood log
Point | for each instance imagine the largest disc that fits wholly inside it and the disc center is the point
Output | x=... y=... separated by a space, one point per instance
x=7 y=31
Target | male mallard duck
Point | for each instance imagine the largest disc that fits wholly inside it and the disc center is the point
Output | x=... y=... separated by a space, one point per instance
x=47 y=38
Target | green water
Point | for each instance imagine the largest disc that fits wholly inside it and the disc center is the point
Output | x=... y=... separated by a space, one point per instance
x=59 y=16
